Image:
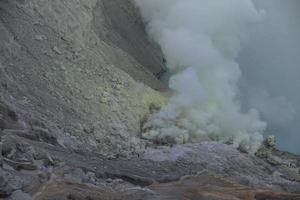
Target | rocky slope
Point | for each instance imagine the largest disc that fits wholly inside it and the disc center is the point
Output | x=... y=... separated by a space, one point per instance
x=77 y=79
x=82 y=68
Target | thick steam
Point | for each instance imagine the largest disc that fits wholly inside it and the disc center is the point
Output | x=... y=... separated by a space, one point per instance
x=201 y=40
x=270 y=64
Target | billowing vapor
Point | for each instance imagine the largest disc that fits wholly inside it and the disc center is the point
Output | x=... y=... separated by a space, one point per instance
x=271 y=71
x=201 y=40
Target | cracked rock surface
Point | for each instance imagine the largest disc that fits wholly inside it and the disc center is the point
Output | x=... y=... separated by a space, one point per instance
x=35 y=166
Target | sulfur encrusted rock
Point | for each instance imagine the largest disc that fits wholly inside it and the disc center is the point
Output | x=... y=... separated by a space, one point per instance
x=270 y=141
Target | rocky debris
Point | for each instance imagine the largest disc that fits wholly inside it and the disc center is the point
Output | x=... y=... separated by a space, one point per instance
x=20 y=165
x=18 y=155
x=270 y=141
x=202 y=186
x=4 y=187
x=56 y=50
x=9 y=183
x=9 y=119
x=131 y=178
x=205 y=170
x=66 y=191
x=209 y=186
x=220 y=159
x=287 y=165
x=40 y=37
x=19 y=195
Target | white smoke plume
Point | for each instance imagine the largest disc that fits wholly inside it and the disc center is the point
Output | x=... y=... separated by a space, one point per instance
x=271 y=71
x=201 y=40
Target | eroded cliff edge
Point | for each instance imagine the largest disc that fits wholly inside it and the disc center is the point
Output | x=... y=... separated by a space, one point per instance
x=77 y=78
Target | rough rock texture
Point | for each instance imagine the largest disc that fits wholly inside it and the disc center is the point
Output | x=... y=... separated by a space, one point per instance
x=206 y=187
x=35 y=163
x=209 y=170
x=18 y=195
x=76 y=80
x=63 y=66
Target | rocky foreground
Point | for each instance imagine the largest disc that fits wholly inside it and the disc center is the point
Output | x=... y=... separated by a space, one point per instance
x=36 y=166
x=77 y=79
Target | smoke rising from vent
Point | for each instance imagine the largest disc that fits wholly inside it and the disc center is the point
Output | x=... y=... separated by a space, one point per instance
x=270 y=64
x=201 y=40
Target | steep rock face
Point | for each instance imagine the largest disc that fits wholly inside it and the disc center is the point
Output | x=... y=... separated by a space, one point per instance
x=125 y=30
x=79 y=68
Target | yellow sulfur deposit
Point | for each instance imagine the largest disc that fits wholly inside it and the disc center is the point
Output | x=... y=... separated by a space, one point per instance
x=152 y=99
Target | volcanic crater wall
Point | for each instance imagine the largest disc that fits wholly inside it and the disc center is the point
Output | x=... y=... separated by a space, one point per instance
x=83 y=69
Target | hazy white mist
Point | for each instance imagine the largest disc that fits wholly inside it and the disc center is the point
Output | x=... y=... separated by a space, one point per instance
x=270 y=63
x=201 y=41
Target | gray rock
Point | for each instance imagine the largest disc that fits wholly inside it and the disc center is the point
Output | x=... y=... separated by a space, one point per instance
x=19 y=195
x=271 y=141
x=4 y=187
x=69 y=55
x=220 y=159
x=9 y=183
x=78 y=176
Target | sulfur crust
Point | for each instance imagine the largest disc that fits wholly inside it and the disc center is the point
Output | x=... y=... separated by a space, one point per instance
x=154 y=99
